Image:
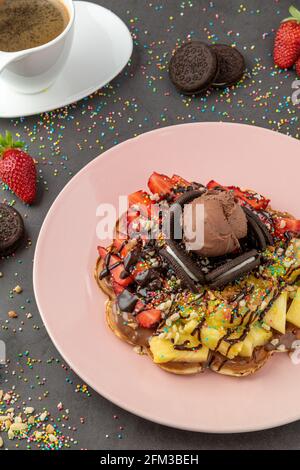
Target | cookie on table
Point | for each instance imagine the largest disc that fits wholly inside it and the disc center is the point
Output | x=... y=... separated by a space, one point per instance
x=12 y=230
x=193 y=67
x=231 y=65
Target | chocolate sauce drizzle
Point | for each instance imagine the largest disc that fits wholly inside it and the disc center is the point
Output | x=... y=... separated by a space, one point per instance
x=184 y=347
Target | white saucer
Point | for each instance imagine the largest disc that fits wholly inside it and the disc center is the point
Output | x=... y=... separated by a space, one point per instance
x=101 y=49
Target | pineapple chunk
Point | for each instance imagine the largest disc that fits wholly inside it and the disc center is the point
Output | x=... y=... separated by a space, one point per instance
x=163 y=351
x=296 y=253
x=276 y=316
x=257 y=336
x=220 y=317
x=190 y=326
x=247 y=349
x=210 y=337
x=294 y=275
x=293 y=315
x=229 y=350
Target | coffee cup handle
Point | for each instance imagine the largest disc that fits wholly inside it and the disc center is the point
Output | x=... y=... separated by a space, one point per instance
x=6 y=58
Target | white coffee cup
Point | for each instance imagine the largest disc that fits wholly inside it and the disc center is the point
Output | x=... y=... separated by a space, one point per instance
x=34 y=70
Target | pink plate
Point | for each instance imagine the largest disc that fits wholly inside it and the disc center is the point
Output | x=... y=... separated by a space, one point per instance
x=72 y=306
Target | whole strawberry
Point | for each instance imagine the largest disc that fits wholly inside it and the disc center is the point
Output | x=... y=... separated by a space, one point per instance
x=287 y=41
x=17 y=168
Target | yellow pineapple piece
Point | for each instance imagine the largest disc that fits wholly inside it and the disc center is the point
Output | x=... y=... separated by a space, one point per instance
x=293 y=315
x=260 y=286
x=247 y=348
x=163 y=351
x=292 y=293
x=229 y=350
x=210 y=337
x=257 y=336
x=276 y=316
x=190 y=326
x=294 y=275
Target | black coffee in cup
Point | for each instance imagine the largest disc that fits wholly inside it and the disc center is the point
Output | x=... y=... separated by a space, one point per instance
x=30 y=23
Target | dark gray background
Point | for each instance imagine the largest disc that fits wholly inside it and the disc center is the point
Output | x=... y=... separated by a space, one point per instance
x=140 y=99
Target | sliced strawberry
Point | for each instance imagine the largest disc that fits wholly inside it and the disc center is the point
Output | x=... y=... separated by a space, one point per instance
x=117 y=271
x=149 y=318
x=138 y=227
x=129 y=223
x=160 y=184
x=132 y=215
x=117 y=288
x=179 y=181
x=121 y=247
x=257 y=202
x=117 y=268
x=139 y=306
x=213 y=184
x=139 y=267
x=102 y=252
x=287 y=225
x=142 y=200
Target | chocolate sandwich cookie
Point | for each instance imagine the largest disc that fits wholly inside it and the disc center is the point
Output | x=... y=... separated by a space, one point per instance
x=179 y=269
x=174 y=219
x=11 y=229
x=179 y=255
x=252 y=215
x=193 y=67
x=233 y=269
x=256 y=235
x=184 y=261
x=231 y=65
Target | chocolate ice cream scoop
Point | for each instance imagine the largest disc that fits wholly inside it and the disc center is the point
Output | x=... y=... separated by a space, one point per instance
x=225 y=223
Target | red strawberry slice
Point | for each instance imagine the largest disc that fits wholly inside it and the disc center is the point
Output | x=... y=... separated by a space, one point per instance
x=160 y=184
x=257 y=202
x=139 y=267
x=149 y=318
x=140 y=205
x=102 y=252
x=117 y=288
x=125 y=227
x=142 y=200
x=121 y=247
x=179 y=181
x=213 y=184
x=287 y=40
x=287 y=225
x=139 y=306
x=137 y=227
x=117 y=267
x=132 y=215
